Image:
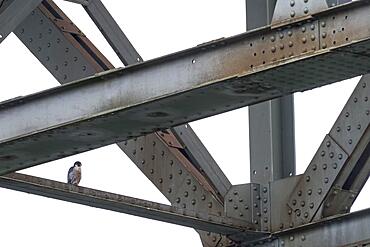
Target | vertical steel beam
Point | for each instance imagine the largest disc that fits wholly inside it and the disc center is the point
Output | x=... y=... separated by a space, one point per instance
x=271 y=124
x=13 y=14
x=112 y=32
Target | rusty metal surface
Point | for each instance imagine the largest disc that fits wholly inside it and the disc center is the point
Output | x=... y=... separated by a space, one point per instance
x=105 y=200
x=227 y=71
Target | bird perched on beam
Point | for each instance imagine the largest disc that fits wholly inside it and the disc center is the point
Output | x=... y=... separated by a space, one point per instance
x=74 y=173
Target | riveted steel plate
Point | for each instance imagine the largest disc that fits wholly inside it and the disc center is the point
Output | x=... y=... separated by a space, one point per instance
x=316 y=182
x=158 y=162
x=239 y=202
x=354 y=119
x=295 y=10
x=212 y=78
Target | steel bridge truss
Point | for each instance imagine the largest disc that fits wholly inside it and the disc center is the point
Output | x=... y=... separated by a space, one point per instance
x=290 y=46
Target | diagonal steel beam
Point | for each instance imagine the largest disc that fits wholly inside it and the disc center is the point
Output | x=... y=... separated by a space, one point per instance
x=123 y=204
x=112 y=32
x=168 y=143
x=343 y=160
x=13 y=14
x=219 y=69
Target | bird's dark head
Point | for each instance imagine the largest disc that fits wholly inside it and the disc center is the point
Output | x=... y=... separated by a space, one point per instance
x=78 y=164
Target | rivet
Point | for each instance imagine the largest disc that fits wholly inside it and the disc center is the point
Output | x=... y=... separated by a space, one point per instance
x=265 y=200
x=255 y=205
x=291 y=238
x=308 y=178
x=203 y=197
x=183 y=205
x=258 y=197
x=210 y=204
x=281 y=35
x=313 y=37
x=241 y=214
x=230 y=199
x=327 y=205
x=170 y=176
x=143 y=162
x=363 y=85
x=305 y=1
x=335 y=165
x=303 y=238
x=322 y=153
x=312 y=27
x=235 y=192
x=291 y=224
x=319 y=191
x=235 y=207
x=303 y=29
x=311 y=205
x=304 y=40
x=314 y=167
x=323 y=35
x=292 y=14
x=160 y=180
x=180 y=171
x=153 y=157
x=272 y=38
x=194 y=188
x=186 y=194
x=188 y=181
x=309 y=192
x=290 y=44
x=303 y=203
x=264 y=190
x=355 y=100
x=193 y=201
x=246 y=207
x=299 y=193
x=348 y=127
x=289 y=211
x=305 y=10
x=178 y=200
x=323 y=24
x=265 y=210
x=290 y=33
x=169 y=190
x=331 y=154
x=324 y=45
x=340 y=156
x=294 y=202
x=151 y=171
x=281 y=46
x=359 y=126
x=273 y=49
x=338 y=129
x=326 y=180
x=292 y=2
x=328 y=143
x=298 y=213
x=255 y=222
x=240 y=200
x=258 y=214
x=305 y=215
x=265 y=220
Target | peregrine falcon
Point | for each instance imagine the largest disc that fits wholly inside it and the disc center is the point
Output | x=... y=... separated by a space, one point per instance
x=74 y=173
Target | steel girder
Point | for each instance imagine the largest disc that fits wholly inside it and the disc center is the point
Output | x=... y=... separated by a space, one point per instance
x=189 y=154
x=234 y=72
x=13 y=14
x=202 y=220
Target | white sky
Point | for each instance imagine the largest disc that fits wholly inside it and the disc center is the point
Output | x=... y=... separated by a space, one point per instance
x=155 y=28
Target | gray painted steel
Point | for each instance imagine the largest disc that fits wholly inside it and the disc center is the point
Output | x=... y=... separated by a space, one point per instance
x=14 y=13
x=271 y=124
x=339 y=231
x=105 y=200
x=112 y=32
x=196 y=152
x=168 y=90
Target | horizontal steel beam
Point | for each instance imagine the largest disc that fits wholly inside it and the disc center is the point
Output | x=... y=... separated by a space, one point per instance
x=105 y=200
x=209 y=79
x=345 y=230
